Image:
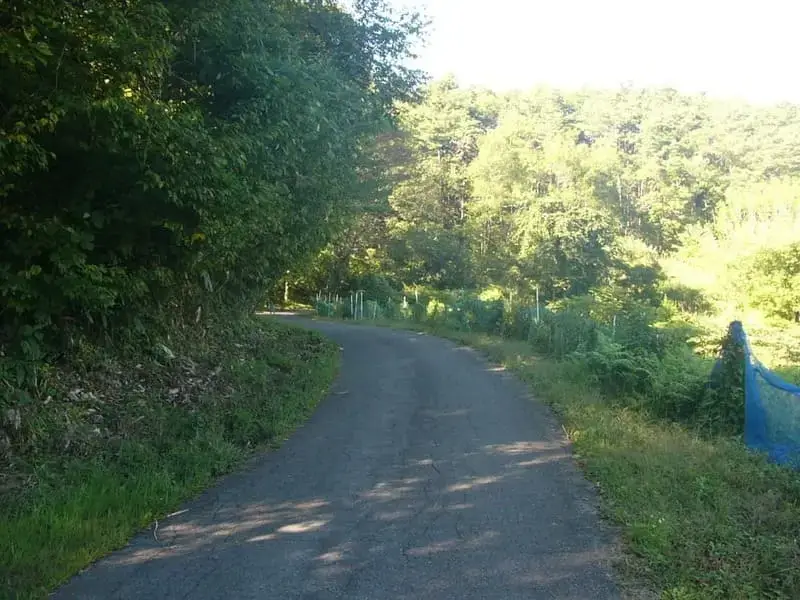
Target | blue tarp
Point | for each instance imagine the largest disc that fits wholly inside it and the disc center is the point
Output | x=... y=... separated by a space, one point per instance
x=772 y=408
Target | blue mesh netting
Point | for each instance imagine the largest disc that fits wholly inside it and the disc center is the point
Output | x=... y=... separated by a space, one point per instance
x=772 y=409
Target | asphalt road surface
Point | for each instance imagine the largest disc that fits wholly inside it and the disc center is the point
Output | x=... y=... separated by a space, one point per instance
x=426 y=473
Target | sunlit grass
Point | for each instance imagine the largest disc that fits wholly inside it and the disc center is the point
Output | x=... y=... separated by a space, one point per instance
x=82 y=508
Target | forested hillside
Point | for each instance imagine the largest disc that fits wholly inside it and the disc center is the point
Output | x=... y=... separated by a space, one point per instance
x=648 y=191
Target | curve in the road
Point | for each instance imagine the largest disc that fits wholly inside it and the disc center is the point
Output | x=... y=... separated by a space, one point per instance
x=426 y=473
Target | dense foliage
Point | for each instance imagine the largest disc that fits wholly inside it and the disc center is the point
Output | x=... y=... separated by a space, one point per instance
x=162 y=165
x=174 y=159
x=167 y=165
x=642 y=220
x=571 y=192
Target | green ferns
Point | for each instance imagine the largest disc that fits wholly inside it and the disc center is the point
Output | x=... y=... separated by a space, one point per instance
x=619 y=370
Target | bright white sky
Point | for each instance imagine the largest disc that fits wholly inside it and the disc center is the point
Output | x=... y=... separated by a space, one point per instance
x=736 y=48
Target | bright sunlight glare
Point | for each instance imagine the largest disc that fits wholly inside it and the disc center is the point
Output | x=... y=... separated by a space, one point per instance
x=745 y=50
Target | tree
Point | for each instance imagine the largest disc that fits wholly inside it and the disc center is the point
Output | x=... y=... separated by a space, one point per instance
x=176 y=157
x=430 y=203
x=772 y=281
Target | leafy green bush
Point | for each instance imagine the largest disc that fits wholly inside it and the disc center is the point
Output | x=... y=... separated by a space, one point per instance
x=471 y=313
x=687 y=298
x=417 y=312
x=635 y=330
x=376 y=287
x=722 y=407
x=436 y=311
x=679 y=384
x=561 y=333
x=325 y=308
x=517 y=321
x=156 y=166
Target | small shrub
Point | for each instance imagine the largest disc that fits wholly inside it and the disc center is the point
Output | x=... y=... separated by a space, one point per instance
x=518 y=321
x=559 y=334
x=436 y=311
x=722 y=405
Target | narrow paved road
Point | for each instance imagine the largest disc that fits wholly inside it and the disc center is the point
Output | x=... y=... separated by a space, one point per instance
x=426 y=473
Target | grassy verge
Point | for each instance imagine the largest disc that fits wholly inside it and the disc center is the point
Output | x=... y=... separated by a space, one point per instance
x=126 y=439
x=700 y=517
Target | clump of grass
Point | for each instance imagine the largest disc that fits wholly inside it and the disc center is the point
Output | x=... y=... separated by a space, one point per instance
x=127 y=439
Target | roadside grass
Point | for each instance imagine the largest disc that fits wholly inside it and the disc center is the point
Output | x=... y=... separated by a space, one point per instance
x=700 y=517
x=151 y=432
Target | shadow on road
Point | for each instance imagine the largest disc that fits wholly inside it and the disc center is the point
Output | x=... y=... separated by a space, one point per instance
x=441 y=498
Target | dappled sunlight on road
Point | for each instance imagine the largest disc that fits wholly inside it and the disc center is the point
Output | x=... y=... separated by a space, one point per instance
x=540 y=461
x=427 y=513
x=419 y=483
x=263 y=538
x=517 y=448
x=385 y=492
x=433 y=509
x=472 y=483
x=408 y=496
x=303 y=527
x=180 y=534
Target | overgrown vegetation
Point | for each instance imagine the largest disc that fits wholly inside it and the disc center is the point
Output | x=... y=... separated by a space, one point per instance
x=120 y=440
x=166 y=167
x=639 y=222
x=162 y=165
x=568 y=191
x=179 y=158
